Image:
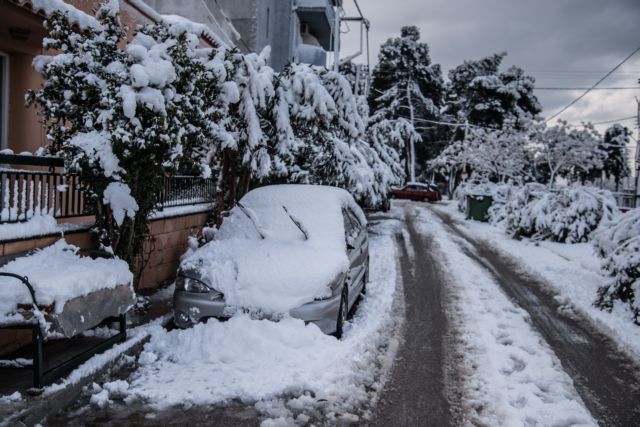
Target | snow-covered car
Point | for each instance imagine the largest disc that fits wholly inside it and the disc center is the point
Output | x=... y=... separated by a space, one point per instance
x=298 y=250
x=417 y=191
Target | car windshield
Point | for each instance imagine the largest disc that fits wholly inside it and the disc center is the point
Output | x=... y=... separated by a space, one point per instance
x=263 y=222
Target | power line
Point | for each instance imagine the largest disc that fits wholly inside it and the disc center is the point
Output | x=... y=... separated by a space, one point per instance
x=586 y=88
x=592 y=87
x=615 y=120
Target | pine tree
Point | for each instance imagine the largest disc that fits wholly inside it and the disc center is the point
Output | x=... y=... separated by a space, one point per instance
x=480 y=94
x=406 y=85
x=615 y=145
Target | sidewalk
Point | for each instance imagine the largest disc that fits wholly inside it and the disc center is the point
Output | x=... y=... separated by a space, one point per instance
x=20 y=404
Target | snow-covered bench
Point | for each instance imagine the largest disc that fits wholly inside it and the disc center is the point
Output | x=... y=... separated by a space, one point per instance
x=56 y=292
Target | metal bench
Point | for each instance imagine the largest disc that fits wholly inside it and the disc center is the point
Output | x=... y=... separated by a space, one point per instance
x=38 y=320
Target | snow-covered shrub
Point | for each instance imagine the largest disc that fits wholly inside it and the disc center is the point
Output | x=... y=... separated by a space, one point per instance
x=121 y=115
x=568 y=214
x=618 y=243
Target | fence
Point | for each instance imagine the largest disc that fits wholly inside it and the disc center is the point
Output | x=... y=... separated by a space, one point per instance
x=185 y=190
x=26 y=193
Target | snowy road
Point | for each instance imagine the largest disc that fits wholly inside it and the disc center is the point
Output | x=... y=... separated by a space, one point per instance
x=461 y=334
x=606 y=379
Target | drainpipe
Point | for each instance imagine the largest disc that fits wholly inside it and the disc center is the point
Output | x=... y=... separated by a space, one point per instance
x=336 y=39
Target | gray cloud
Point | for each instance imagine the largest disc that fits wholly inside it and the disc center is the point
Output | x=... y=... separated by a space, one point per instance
x=560 y=42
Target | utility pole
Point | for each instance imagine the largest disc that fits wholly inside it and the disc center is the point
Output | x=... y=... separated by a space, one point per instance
x=336 y=39
x=635 y=192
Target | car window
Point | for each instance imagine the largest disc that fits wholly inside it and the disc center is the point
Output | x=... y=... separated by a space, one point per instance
x=351 y=227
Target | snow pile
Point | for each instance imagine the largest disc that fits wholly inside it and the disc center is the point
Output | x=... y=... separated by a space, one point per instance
x=58 y=274
x=282 y=270
x=511 y=375
x=619 y=245
x=568 y=214
x=288 y=369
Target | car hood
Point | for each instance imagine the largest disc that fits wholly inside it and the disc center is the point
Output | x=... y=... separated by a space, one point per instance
x=265 y=275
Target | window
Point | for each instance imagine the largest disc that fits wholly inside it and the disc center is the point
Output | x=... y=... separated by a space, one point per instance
x=4 y=99
x=351 y=227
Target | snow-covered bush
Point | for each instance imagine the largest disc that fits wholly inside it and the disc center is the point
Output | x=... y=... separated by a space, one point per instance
x=568 y=214
x=618 y=243
x=121 y=115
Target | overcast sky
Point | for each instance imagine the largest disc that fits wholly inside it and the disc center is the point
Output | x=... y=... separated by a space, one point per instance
x=562 y=43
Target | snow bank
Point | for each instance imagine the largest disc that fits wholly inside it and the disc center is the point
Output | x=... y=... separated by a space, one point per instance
x=283 y=270
x=512 y=376
x=284 y=367
x=572 y=271
x=58 y=274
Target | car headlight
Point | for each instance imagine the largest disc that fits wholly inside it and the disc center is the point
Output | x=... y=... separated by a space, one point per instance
x=189 y=284
x=195 y=286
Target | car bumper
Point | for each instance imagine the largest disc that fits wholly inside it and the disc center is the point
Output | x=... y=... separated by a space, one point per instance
x=323 y=313
x=190 y=308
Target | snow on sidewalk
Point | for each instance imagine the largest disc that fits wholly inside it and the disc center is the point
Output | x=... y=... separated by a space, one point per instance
x=510 y=374
x=571 y=270
x=286 y=368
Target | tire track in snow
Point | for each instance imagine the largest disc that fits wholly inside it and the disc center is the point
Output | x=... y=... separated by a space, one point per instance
x=511 y=375
x=606 y=379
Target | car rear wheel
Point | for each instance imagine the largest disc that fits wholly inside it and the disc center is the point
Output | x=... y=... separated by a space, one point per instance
x=342 y=313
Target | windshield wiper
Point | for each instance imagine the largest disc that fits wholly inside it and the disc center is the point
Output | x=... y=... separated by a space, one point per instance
x=246 y=212
x=297 y=223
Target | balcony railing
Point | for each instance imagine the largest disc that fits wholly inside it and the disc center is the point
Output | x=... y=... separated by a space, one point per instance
x=26 y=193
x=185 y=191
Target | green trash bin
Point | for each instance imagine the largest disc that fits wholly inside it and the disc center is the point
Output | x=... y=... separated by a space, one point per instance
x=478 y=207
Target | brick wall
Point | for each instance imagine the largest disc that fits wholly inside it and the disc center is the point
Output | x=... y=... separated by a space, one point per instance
x=170 y=243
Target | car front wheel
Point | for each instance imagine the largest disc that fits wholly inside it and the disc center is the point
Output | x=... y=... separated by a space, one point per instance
x=342 y=313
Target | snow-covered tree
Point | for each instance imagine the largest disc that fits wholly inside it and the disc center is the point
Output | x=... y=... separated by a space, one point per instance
x=615 y=146
x=120 y=114
x=561 y=150
x=482 y=95
x=501 y=155
x=406 y=85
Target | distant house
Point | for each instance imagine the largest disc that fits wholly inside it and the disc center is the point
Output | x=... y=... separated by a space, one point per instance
x=296 y=30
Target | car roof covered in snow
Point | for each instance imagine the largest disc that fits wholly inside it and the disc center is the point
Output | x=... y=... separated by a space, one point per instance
x=420 y=184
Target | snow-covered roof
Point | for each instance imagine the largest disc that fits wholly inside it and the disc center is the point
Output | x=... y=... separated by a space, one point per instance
x=283 y=270
x=183 y=23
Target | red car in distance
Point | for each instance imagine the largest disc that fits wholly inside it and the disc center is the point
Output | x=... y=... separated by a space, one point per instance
x=418 y=192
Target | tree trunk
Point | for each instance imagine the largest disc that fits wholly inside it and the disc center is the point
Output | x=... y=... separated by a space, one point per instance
x=412 y=148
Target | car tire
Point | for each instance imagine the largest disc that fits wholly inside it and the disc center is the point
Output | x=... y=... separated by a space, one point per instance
x=343 y=311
